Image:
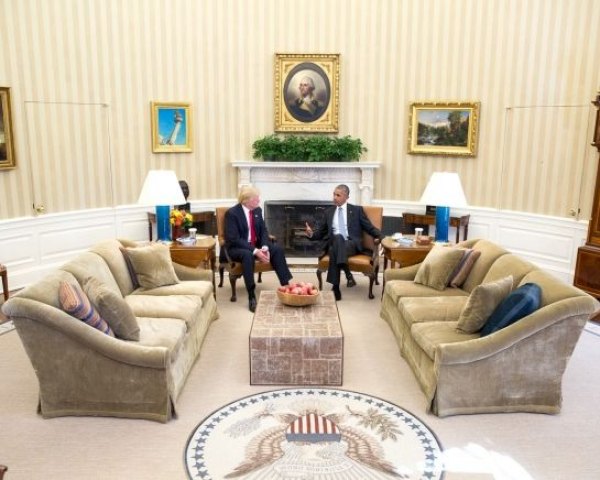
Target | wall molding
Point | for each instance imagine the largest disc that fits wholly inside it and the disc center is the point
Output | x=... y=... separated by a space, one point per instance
x=33 y=246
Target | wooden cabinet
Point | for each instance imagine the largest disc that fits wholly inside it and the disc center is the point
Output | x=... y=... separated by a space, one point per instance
x=587 y=270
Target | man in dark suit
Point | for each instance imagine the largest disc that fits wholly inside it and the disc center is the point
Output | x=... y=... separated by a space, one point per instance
x=343 y=229
x=246 y=244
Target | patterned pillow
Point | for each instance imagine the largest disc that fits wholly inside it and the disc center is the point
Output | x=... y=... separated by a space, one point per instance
x=437 y=267
x=521 y=302
x=462 y=270
x=481 y=303
x=75 y=302
x=113 y=308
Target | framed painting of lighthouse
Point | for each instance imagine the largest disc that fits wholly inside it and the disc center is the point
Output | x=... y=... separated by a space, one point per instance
x=171 y=127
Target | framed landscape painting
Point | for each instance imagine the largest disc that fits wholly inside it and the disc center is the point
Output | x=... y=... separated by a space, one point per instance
x=7 y=151
x=306 y=92
x=171 y=127
x=443 y=128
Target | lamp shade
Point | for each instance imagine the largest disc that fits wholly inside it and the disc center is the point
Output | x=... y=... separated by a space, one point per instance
x=444 y=189
x=161 y=187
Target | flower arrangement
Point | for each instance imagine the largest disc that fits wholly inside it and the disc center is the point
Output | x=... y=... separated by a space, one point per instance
x=181 y=218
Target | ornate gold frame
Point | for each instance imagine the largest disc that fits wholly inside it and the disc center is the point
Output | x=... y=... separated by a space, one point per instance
x=457 y=146
x=162 y=128
x=322 y=112
x=7 y=149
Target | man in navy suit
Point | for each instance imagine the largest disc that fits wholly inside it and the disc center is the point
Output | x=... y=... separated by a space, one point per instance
x=343 y=229
x=246 y=245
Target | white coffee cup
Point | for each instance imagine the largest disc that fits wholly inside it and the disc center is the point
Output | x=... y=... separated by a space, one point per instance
x=418 y=232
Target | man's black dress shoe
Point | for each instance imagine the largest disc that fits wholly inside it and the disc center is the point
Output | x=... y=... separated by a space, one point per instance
x=351 y=281
x=336 y=293
x=252 y=303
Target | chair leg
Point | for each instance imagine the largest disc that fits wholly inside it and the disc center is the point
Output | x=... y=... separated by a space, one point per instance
x=371 y=281
x=259 y=277
x=232 y=280
x=377 y=275
x=320 y=278
x=221 y=272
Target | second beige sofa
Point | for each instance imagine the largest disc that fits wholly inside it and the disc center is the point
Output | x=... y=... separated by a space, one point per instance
x=516 y=369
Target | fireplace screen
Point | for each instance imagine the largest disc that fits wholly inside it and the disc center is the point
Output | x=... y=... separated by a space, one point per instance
x=286 y=220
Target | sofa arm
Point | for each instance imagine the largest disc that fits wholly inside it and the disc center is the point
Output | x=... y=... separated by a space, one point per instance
x=23 y=311
x=575 y=310
x=184 y=273
x=404 y=273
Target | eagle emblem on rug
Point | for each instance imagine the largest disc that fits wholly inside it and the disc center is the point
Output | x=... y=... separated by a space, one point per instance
x=310 y=443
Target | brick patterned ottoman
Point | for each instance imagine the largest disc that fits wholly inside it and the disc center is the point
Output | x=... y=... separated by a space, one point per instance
x=296 y=345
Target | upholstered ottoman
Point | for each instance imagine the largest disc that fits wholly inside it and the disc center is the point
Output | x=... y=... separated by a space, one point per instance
x=296 y=345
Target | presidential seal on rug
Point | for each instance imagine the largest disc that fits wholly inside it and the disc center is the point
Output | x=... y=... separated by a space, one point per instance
x=312 y=433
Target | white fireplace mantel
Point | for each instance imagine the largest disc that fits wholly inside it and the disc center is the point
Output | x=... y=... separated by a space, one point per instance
x=308 y=180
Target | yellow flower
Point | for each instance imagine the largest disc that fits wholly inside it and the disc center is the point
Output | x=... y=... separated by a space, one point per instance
x=179 y=218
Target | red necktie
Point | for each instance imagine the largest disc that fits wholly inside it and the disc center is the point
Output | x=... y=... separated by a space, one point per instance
x=252 y=231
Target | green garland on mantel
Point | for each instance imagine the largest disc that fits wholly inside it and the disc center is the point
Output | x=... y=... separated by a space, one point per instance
x=308 y=148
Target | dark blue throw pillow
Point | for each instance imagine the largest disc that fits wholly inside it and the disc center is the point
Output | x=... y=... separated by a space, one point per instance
x=518 y=304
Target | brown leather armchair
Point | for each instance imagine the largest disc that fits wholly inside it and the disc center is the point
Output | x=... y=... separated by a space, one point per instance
x=234 y=269
x=367 y=264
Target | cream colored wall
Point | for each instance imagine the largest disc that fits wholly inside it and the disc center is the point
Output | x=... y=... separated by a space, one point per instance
x=534 y=66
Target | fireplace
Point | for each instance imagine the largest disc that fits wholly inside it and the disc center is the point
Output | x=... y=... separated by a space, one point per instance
x=285 y=186
x=286 y=220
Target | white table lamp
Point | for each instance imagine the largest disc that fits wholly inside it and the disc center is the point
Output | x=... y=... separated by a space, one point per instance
x=161 y=188
x=444 y=190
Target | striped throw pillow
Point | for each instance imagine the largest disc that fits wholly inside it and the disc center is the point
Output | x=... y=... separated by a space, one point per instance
x=462 y=270
x=74 y=301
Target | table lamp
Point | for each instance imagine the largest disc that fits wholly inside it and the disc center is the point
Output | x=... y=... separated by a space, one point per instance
x=161 y=188
x=444 y=190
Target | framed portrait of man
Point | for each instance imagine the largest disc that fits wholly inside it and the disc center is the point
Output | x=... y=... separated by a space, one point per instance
x=306 y=92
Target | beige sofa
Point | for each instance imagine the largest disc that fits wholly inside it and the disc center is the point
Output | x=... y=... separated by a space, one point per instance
x=516 y=369
x=83 y=371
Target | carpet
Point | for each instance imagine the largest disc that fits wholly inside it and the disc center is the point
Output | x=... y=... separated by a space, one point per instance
x=312 y=433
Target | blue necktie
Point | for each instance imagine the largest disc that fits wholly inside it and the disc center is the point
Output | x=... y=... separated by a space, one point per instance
x=342 y=224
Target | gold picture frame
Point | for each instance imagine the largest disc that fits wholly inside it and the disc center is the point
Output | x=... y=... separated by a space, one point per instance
x=443 y=128
x=307 y=92
x=171 y=127
x=7 y=149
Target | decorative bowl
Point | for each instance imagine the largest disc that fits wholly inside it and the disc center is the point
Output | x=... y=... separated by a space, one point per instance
x=187 y=240
x=423 y=240
x=293 y=300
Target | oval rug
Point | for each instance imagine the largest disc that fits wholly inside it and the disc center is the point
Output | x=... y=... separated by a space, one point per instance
x=312 y=433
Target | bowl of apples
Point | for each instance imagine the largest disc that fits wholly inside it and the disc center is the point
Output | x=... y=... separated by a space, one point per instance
x=298 y=294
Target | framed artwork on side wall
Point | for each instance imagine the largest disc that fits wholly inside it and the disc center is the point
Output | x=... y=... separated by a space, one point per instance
x=171 y=127
x=7 y=149
x=306 y=92
x=443 y=128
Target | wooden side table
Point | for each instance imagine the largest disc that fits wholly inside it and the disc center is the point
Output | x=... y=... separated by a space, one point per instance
x=403 y=255
x=4 y=276
x=200 y=255
x=205 y=222
x=412 y=220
